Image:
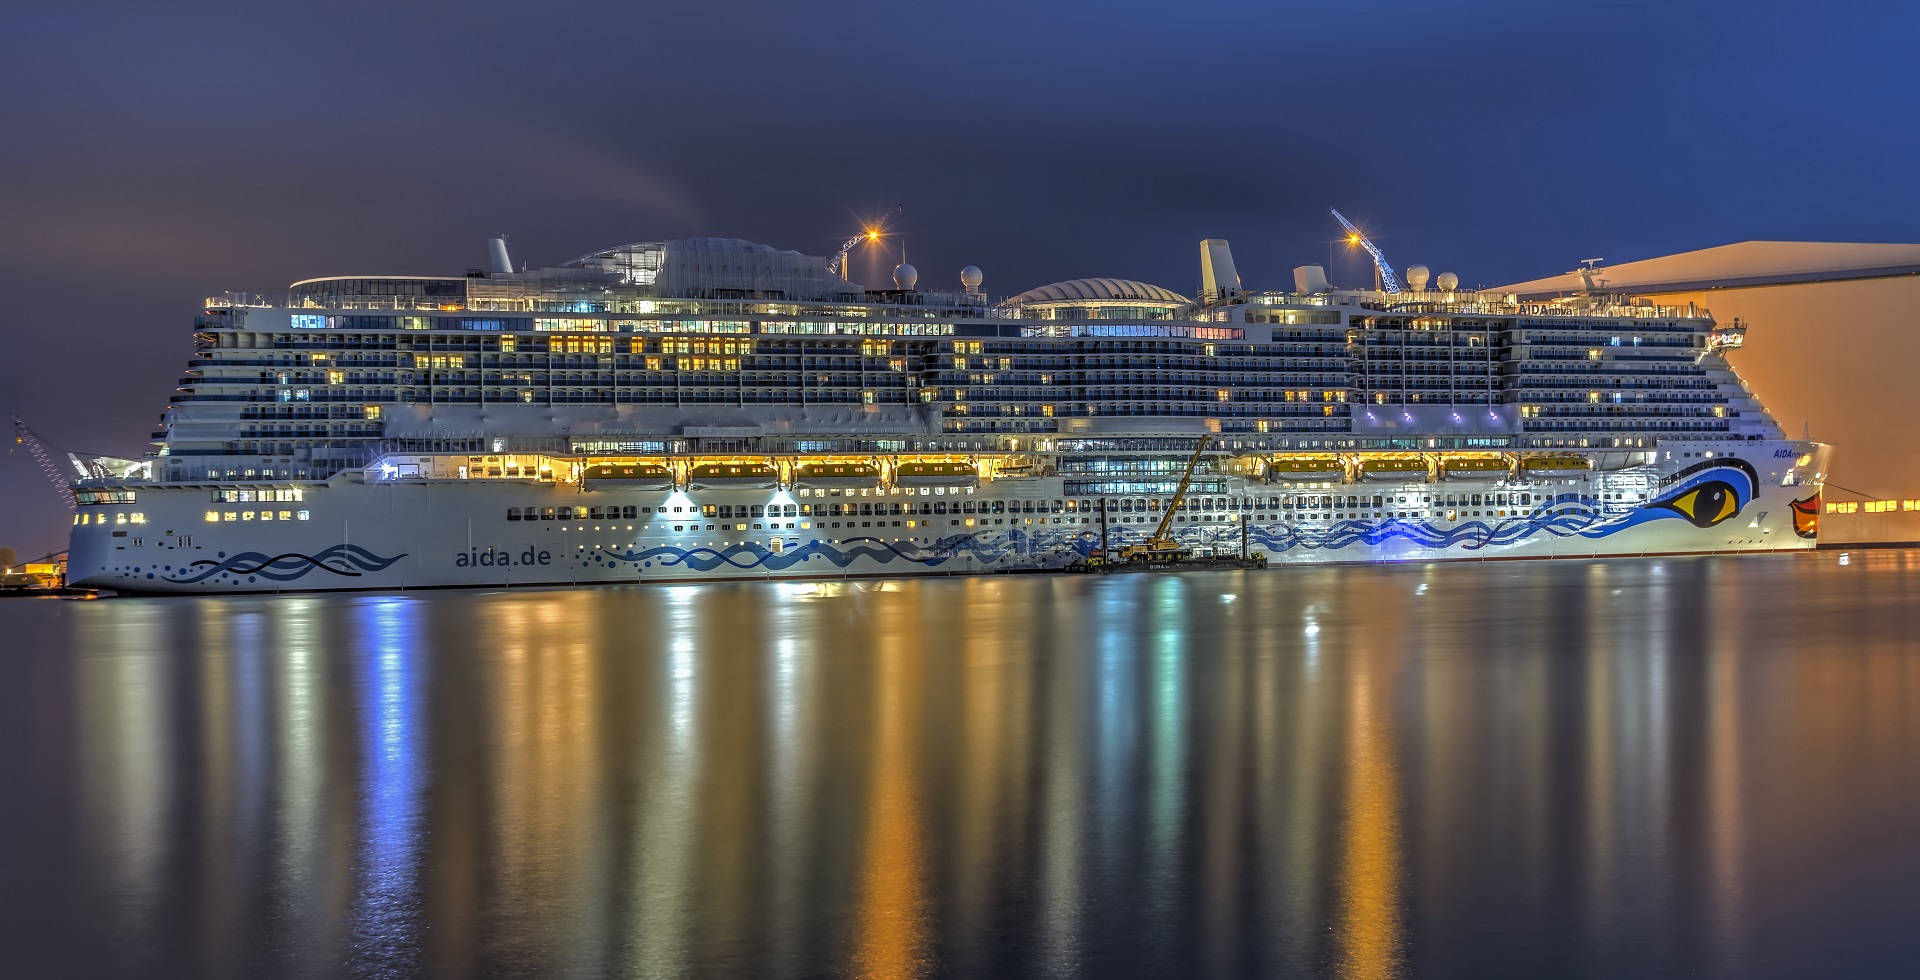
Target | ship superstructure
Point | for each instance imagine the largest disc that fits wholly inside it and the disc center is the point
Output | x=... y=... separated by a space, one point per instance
x=714 y=408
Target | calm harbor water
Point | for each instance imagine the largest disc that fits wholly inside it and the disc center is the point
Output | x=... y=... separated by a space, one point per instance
x=1637 y=767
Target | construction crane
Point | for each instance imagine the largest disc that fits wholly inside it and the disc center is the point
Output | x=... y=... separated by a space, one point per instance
x=838 y=264
x=1162 y=547
x=1388 y=281
x=43 y=453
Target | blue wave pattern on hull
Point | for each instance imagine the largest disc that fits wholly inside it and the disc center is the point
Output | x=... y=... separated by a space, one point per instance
x=341 y=559
x=1053 y=548
x=745 y=556
x=993 y=549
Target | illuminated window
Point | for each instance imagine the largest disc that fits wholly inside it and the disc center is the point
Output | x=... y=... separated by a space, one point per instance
x=1220 y=395
x=266 y=515
x=286 y=515
x=1046 y=410
x=508 y=345
x=230 y=516
x=303 y=515
x=1593 y=353
x=212 y=516
x=336 y=377
x=1593 y=396
x=372 y=411
x=866 y=397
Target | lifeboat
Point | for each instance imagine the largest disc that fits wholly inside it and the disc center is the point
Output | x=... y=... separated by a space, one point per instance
x=628 y=476
x=840 y=475
x=758 y=475
x=1288 y=468
x=936 y=475
x=1554 y=464
x=1399 y=469
x=1475 y=468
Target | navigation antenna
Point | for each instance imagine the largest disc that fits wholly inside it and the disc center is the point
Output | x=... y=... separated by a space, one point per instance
x=1388 y=281
x=43 y=451
x=1587 y=268
x=871 y=233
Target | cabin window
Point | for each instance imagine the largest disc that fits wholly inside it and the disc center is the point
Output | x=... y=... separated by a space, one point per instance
x=580 y=513
x=513 y=513
x=546 y=513
x=630 y=512
x=759 y=510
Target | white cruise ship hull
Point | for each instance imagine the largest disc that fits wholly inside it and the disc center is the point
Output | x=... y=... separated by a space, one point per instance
x=405 y=534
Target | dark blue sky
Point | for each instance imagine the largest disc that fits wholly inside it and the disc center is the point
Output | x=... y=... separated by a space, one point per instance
x=153 y=154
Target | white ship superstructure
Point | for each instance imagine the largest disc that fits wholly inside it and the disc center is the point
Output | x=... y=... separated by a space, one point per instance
x=713 y=408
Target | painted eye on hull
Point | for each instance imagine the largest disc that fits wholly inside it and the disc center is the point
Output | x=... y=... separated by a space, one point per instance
x=1707 y=504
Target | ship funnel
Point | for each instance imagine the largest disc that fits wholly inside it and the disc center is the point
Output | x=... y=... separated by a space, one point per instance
x=498 y=247
x=1310 y=280
x=1218 y=278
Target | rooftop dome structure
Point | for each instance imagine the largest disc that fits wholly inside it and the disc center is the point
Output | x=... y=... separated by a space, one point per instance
x=1100 y=291
x=1097 y=299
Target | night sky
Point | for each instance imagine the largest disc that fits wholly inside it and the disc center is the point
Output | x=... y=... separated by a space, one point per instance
x=151 y=155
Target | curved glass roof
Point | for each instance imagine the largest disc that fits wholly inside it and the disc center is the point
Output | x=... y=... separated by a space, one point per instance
x=1099 y=290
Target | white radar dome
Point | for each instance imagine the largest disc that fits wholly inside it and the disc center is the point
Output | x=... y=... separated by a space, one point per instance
x=904 y=276
x=1449 y=282
x=971 y=277
x=1417 y=276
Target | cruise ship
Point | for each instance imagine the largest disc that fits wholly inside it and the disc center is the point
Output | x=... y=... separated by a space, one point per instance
x=713 y=408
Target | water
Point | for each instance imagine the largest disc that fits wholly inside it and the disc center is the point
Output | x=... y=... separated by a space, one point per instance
x=1636 y=767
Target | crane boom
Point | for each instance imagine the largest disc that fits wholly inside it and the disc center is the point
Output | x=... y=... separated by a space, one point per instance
x=1388 y=281
x=1160 y=543
x=838 y=263
x=43 y=453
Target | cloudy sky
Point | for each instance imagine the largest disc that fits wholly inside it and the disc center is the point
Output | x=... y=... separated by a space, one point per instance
x=152 y=154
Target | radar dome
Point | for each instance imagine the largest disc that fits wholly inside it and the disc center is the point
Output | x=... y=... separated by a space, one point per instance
x=904 y=276
x=971 y=277
x=1449 y=282
x=1417 y=276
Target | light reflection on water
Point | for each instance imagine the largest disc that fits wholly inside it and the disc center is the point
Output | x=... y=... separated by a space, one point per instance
x=1635 y=767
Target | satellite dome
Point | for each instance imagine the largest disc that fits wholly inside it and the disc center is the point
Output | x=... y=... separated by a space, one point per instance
x=1448 y=282
x=1417 y=276
x=971 y=277
x=904 y=276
